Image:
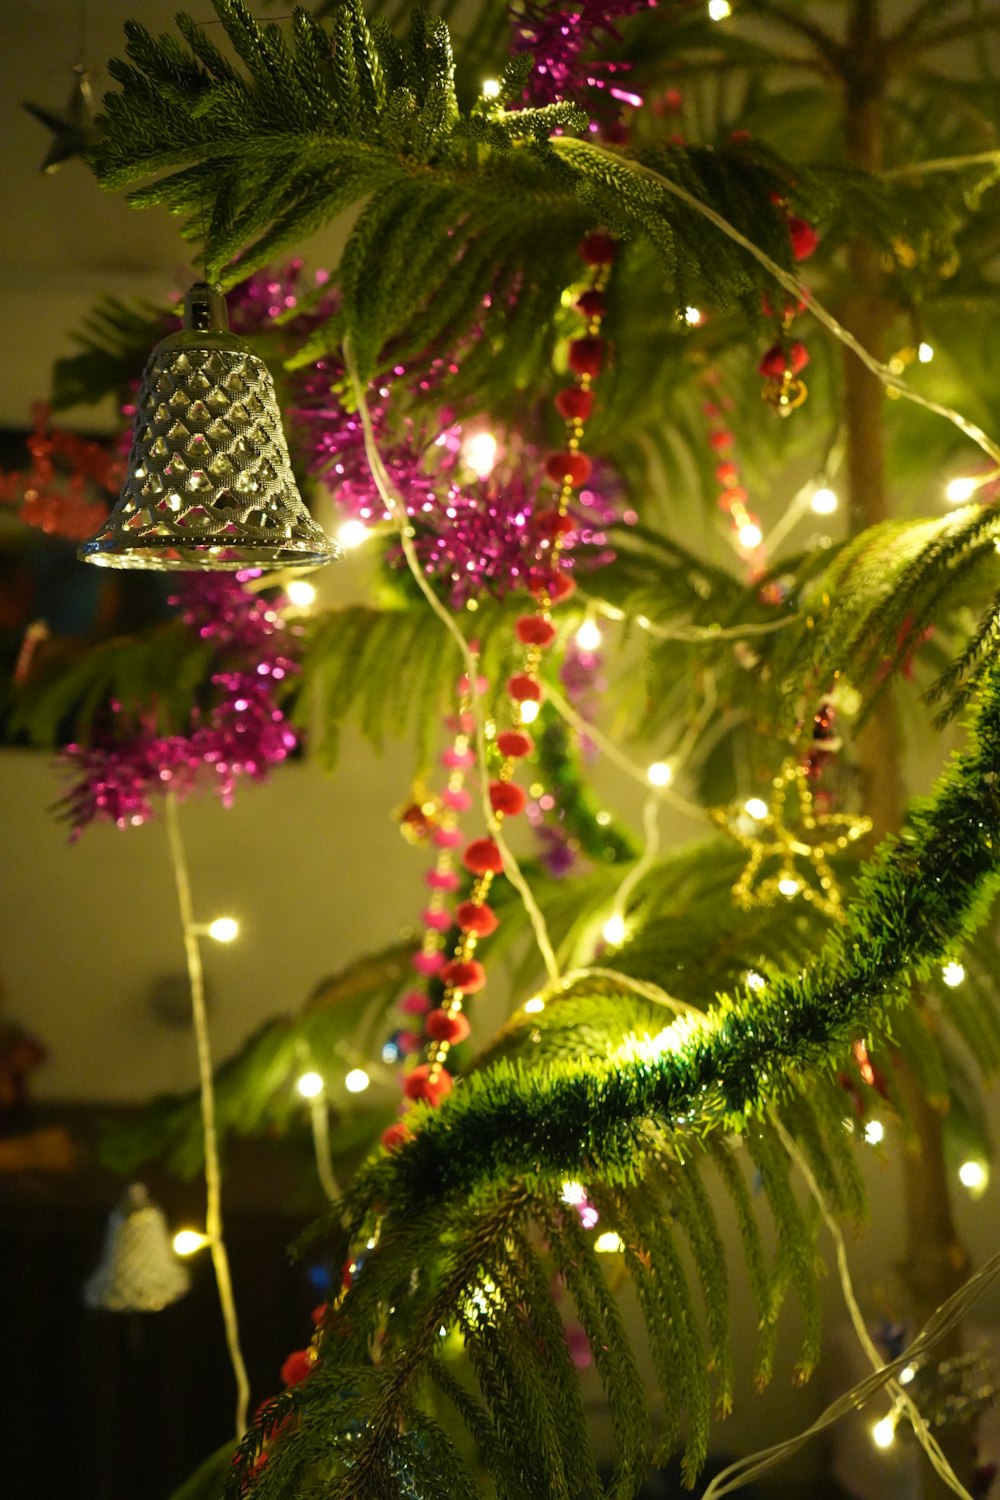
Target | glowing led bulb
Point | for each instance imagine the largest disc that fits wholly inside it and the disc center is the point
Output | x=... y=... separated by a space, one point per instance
x=310 y=1085
x=756 y=807
x=692 y=316
x=608 y=1243
x=187 y=1241
x=884 y=1432
x=589 y=637
x=973 y=1175
x=824 y=502
x=953 y=973
x=660 y=773
x=789 y=886
x=529 y=711
x=480 y=452
x=750 y=535
x=300 y=593
x=534 y=1005
x=874 y=1131
x=719 y=10
x=574 y=1193
x=925 y=353
x=491 y=88
x=906 y=1374
x=223 y=929
x=958 y=490
x=756 y=981
x=356 y=1081
x=614 y=929
x=351 y=533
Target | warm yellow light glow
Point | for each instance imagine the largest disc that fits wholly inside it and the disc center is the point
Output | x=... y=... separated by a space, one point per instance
x=529 y=711
x=602 y=819
x=824 y=502
x=789 y=886
x=960 y=489
x=953 y=973
x=756 y=981
x=906 y=1374
x=884 y=1432
x=223 y=929
x=614 y=929
x=573 y=1192
x=351 y=533
x=660 y=773
x=756 y=807
x=973 y=1175
x=608 y=1243
x=356 y=1081
x=589 y=637
x=187 y=1241
x=491 y=88
x=534 y=1005
x=925 y=353
x=301 y=593
x=692 y=316
x=480 y=452
x=874 y=1131
x=750 y=535
x=719 y=10
x=310 y=1085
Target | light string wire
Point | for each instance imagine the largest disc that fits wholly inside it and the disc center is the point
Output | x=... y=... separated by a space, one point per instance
x=213 y=1168
x=319 y=1124
x=900 y=1395
x=567 y=146
x=948 y=1316
x=395 y=505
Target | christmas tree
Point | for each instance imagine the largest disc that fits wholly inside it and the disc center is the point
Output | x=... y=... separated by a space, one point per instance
x=628 y=296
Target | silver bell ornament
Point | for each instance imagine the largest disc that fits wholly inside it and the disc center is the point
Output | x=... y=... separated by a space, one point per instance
x=138 y=1270
x=209 y=482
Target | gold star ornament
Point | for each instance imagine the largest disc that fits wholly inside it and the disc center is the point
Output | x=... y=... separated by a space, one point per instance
x=789 y=844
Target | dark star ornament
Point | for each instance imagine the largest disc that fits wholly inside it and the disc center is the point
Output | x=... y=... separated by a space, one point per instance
x=72 y=130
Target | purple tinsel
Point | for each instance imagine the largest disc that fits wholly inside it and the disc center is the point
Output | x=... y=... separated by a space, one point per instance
x=241 y=736
x=476 y=535
x=559 y=37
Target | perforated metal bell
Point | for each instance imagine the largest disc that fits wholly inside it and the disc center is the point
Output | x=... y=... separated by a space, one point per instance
x=209 y=482
x=138 y=1270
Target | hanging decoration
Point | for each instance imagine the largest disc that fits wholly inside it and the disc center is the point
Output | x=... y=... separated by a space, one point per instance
x=801 y=847
x=138 y=1271
x=209 y=482
x=72 y=129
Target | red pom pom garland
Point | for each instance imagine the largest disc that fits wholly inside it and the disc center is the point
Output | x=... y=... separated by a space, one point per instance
x=445 y=1024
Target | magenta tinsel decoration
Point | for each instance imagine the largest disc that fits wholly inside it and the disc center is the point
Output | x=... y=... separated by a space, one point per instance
x=240 y=736
x=562 y=38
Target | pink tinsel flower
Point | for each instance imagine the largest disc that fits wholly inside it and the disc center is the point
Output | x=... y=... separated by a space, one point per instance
x=241 y=735
x=562 y=38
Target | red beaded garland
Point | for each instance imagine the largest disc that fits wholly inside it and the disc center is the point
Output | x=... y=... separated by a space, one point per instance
x=465 y=974
x=533 y=630
x=523 y=688
x=592 y=303
x=574 y=404
x=598 y=248
x=508 y=798
x=447 y=1026
x=585 y=354
x=514 y=744
x=396 y=1135
x=803 y=236
x=419 y=1084
x=475 y=916
x=570 y=468
x=483 y=857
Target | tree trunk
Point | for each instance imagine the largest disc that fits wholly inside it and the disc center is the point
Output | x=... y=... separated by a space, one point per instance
x=935 y=1263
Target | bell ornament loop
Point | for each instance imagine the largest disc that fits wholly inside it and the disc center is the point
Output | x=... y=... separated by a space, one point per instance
x=209 y=481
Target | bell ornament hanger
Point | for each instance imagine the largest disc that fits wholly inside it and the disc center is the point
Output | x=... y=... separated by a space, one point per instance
x=209 y=482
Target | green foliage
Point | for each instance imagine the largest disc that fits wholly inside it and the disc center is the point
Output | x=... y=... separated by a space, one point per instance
x=460 y=1215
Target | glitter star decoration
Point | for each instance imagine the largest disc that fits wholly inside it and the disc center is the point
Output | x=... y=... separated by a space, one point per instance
x=799 y=845
x=73 y=129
